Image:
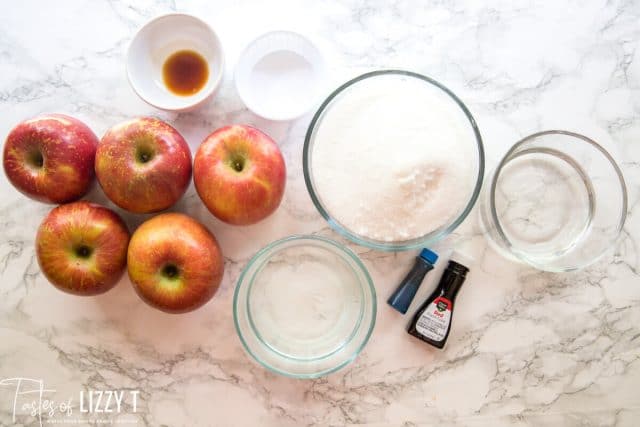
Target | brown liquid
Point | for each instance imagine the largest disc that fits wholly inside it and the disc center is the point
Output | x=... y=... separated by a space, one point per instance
x=185 y=72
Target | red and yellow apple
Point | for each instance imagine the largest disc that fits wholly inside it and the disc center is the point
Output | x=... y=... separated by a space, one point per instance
x=174 y=263
x=82 y=248
x=143 y=165
x=239 y=174
x=50 y=158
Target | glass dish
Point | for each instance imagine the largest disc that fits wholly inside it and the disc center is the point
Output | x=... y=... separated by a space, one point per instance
x=475 y=164
x=304 y=306
x=556 y=201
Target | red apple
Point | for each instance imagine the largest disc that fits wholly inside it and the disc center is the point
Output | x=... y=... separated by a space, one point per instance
x=143 y=165
x=50 y=158
x=239 y=173
x=174 y=263
x=82 y=248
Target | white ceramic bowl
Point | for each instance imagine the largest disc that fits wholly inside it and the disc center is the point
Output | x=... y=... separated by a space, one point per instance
x=155 y=42
x=280 y=75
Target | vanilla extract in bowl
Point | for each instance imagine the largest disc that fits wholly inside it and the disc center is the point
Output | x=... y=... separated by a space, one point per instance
x=185 y=72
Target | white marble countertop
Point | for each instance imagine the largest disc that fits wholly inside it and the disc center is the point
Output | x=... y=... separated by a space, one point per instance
x=527 y=348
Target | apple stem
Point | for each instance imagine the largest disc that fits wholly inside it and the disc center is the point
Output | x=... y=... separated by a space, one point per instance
x=144 y=154
x=170 y=271
x=36 y=159
x=83 y=251
x=237 y=163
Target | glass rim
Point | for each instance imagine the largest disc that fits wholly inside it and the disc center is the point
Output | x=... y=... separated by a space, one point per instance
x=365 y=284
x=508 y=156
x=404 y=245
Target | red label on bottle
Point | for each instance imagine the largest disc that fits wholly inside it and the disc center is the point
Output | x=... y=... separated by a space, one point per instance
x=442 y=304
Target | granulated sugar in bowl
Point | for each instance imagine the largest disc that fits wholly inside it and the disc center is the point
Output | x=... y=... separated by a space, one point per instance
x=393 y=160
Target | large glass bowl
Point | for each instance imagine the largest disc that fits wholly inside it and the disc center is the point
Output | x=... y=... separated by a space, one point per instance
x=475 y=164
x=304 y=306
x=556 y=201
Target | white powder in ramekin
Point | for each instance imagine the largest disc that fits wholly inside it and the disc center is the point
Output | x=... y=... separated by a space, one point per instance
x=392 y=158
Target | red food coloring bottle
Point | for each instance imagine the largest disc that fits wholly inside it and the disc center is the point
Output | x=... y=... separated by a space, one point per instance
x=432 y=321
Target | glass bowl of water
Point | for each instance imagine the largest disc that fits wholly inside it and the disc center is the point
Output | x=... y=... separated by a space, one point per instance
x=304 y=306
x=556 y=201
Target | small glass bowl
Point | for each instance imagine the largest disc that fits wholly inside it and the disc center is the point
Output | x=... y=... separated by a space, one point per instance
x=556 y=201
x=476 y=166
x=304 y=306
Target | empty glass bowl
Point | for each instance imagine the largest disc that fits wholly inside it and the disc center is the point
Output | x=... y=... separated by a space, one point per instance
x=556 y=201
x=470 y=151
x=304 y=306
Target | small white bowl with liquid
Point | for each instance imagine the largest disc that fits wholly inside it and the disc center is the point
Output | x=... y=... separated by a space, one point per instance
x=281 y=75
x=154 y=44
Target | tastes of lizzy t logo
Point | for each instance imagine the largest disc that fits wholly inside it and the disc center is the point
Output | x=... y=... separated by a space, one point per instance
x=32 y=398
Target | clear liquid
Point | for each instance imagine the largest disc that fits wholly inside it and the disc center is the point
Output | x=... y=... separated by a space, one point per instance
x=544 y=203
x=305 y=303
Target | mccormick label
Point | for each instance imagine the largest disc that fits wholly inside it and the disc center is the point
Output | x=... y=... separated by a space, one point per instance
x=434 y=321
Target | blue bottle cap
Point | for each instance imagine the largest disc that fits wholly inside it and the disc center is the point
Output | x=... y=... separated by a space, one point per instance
x=429 y=256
